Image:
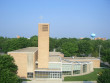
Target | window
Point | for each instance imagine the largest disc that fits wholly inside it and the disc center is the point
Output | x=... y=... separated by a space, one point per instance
x=66 y=72
x=36 y=66
x=46 y=74
x=44 y=27
x=30 y=75
x=84 y=68
x=66 y=67
x=76 y=67
x=54 y=65
x=76 y=71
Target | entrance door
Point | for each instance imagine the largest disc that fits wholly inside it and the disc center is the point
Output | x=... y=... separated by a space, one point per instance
x=54 y=75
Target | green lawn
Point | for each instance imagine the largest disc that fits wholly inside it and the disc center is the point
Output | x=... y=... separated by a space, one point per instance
x=25 y=80
x=88 y=77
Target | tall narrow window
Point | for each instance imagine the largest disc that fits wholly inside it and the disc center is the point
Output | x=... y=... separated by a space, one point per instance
x=84 y=68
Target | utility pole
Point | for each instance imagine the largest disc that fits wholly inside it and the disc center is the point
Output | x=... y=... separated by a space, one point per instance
x=100 y=50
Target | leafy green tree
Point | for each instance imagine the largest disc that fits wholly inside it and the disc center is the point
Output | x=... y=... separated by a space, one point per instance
x=106 y=44
x=96 y=44
x=8 y=70
x=104 y=77
x=6 y=76
x=2 y=40
x=52 y=43
x=106 y=55
x=34 y=41
x=61 y=41
x=85 y=47
x=7 y=62
x=69 y=49
x=14 y=44
x=86 y=39
x=95 y=54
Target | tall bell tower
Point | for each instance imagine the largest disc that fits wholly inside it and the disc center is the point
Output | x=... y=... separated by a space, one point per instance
x=43 y=45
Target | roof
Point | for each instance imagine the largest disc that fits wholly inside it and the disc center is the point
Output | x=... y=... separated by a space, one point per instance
x=55 y=53
x=25 y=50
x=54 y=59
x=66 y=61
x=78 y=58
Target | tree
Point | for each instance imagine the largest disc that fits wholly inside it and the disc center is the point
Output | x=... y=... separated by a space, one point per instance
x=52 y=43
x=104 y=77
x=8 y=70
x=95 y=54
x=86 y=39
x=2 y=40
x=85 y=47
x=6 y=76
x=7 y=62
x=96 y=44
x=34 y=41
x=106 y=55
x=14 y=44
x=69 y=49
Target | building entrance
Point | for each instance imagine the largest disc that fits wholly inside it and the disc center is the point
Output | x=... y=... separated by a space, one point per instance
x=46 y=74
x=55 y=75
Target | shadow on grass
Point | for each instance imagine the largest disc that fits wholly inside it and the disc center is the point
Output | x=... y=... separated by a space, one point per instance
x=87 y=81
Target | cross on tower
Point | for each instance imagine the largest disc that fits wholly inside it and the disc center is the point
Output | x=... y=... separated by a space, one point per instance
x=41 y=18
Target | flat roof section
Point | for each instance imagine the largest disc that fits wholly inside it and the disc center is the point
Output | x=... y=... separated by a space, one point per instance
x=54 y=59
x=80 y=58
x=54 y=53
x=25 y=50
x=67 y=61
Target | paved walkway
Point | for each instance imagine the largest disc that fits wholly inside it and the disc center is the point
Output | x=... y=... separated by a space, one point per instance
x=47 y=81
x=106 y=63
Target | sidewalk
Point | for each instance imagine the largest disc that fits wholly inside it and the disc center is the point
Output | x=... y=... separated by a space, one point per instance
x=55 y=81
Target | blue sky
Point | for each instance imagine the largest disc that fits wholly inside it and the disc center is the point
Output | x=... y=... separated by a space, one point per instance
x=67 y=18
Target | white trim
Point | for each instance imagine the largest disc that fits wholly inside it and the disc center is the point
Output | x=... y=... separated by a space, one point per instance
x=55 y=79
x=49 y=62
x=48 y=70
x=54 y=62
x=66 y=63
x=36 y=62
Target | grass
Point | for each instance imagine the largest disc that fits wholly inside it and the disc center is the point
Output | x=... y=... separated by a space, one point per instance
x=88 y=77
x=25 y=80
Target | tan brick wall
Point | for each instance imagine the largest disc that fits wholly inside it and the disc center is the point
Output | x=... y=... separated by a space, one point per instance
x=96 y=62
x=21 y=62
x=43 y=46
x=30 y=62
x=35 y=57
x=62 y=55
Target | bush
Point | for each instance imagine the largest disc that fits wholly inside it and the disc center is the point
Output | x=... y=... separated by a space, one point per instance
x=104 y=77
